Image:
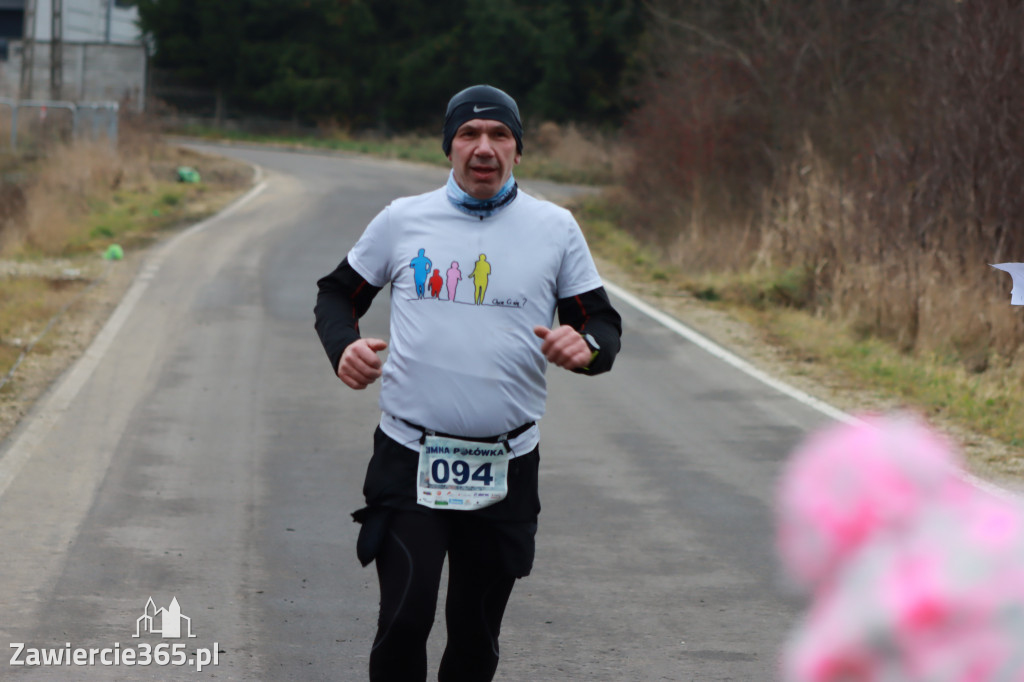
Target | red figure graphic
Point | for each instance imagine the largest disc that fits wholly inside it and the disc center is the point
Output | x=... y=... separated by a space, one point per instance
x=435 y=284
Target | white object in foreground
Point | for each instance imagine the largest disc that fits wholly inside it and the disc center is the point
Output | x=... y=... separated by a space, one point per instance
x=1016 y=271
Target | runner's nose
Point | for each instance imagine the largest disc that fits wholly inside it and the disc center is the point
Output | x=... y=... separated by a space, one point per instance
x=485 y=148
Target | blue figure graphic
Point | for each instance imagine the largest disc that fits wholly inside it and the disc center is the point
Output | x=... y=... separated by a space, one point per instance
x=421 y=268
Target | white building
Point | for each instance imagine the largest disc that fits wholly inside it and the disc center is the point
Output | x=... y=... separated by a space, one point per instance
x=103 y=57
x=89 y=21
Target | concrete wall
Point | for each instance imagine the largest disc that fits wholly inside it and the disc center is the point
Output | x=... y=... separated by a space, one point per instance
x=93 y=72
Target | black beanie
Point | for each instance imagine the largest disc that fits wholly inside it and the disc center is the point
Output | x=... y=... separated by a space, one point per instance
x=481 y=101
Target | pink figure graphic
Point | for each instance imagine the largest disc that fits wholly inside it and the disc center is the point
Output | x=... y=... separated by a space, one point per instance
x=435 y=284
x=454 y=275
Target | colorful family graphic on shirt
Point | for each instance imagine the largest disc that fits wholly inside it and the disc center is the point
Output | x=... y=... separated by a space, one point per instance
x=430 y=283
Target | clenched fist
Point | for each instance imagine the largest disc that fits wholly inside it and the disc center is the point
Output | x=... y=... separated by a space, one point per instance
x=564 y=346
x=360 y=365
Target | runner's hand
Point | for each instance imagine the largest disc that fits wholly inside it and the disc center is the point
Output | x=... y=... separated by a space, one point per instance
x=360 y=365
x=563 y=346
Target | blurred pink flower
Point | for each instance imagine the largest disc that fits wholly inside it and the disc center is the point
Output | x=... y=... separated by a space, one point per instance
x=916 y=575
x=850 y=483
x=931 y=606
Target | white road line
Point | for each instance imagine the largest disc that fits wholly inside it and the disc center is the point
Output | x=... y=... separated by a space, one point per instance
x=59 y=399
x=729 y=357
x=781 y=386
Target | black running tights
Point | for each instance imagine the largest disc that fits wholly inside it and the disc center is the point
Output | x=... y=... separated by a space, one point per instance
x=409 y=569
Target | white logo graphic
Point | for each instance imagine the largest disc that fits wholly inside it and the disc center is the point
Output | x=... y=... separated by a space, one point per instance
x=163 y=622
x=477 y=108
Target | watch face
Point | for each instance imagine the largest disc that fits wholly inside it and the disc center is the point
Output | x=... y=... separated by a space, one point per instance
x=590 y=339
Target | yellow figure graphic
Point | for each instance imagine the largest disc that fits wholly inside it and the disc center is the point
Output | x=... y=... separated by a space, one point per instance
x=481 y=272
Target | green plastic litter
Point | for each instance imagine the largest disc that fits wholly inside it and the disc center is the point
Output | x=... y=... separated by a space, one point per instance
x=188 y=174
x=113 y=252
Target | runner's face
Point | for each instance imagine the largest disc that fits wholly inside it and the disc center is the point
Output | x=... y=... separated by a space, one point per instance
x=483 y=155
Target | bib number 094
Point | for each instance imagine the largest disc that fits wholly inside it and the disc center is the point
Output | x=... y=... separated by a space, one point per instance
x=460 y=472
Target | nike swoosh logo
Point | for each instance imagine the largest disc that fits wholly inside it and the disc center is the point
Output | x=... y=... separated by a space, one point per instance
x=477 y=108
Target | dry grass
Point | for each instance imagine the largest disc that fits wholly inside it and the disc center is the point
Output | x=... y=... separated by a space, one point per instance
x=62 y=191
x=572 y=154
x=82 y=196
x=931 y=327
x=28 y=304
x=915 y=293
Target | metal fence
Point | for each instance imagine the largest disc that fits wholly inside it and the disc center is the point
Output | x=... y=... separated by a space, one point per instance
x=35 y=122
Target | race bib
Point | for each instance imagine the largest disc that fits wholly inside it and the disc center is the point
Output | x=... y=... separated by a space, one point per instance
x=461 y=474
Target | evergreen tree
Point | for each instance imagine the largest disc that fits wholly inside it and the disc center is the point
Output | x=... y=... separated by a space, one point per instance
x=392 y=64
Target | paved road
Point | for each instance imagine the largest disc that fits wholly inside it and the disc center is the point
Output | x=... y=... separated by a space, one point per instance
x=203 y=451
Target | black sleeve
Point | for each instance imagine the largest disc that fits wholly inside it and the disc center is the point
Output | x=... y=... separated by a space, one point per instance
x=592 y=313
x=343 y=297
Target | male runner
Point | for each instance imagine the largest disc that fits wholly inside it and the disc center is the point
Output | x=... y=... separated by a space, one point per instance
x=455 y=459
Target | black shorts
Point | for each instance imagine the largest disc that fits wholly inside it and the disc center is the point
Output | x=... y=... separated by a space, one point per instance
x=391 y=484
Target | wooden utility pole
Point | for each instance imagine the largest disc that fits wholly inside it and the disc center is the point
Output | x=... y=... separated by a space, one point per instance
x=28 y=50
x=56 y=49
